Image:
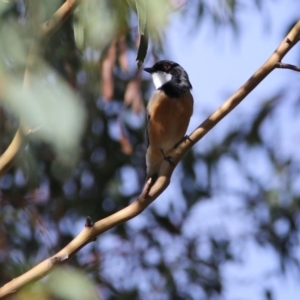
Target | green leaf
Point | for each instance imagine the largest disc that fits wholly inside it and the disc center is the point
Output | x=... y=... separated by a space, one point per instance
x=142 y=50
x=4 y=6
x=49 y=104
x=79 y=28
x=94 y=25
x=70 y=283
x=141 y=7
x=142 y=15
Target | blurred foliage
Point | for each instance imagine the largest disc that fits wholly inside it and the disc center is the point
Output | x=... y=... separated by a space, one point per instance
x=87 y=159
x=62 y=283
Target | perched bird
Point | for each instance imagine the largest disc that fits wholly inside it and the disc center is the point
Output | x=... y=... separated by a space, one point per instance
x=168 y=113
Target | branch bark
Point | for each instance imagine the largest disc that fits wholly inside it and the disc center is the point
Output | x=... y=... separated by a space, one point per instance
x=151 y=192
x=8 y=158
x=59 y=17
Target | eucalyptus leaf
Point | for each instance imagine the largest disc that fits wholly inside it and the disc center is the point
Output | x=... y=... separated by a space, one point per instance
x=70 y=283
x=141 y=7
x=79 y=35
x=5 y=5
x=48 y=104
x=142 y=51
x=95 y=25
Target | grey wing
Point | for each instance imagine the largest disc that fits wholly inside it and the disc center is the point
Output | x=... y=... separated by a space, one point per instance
x=148 y=110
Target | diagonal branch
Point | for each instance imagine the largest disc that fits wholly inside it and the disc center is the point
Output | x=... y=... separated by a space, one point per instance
x=8 y=158
x=59 y=17
x=150 y=193
x=285 y=46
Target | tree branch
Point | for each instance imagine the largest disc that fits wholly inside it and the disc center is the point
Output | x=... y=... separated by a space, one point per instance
x=59 y=17
x=281 y=65
x=8 y=158
x=151 y=192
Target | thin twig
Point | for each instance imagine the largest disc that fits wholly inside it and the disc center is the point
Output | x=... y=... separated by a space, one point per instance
x=287 y=66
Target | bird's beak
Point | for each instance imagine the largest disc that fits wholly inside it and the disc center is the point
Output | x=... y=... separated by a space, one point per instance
x=149 y=70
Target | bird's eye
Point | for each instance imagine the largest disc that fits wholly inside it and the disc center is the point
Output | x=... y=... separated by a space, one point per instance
x=167 y=67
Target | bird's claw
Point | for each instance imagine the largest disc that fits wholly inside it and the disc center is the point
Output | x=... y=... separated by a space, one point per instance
x=167 y=158
x=184 y=139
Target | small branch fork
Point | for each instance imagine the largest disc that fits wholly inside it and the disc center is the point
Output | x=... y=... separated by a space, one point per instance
x=151 y=191
x=281 y=65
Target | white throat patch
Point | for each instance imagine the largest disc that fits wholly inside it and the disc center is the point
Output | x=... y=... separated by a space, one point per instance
x=160 y=78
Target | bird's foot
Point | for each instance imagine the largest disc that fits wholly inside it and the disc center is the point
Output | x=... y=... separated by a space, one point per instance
x=167 y=158
x=184 y=139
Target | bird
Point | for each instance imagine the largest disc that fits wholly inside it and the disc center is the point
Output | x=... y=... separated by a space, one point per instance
x=169 y=110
